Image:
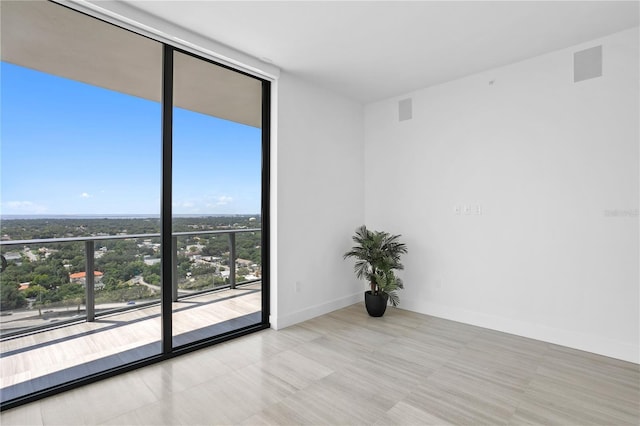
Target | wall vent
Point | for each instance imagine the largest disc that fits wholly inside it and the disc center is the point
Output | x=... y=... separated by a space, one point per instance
x=405 y=110
x=587 y=64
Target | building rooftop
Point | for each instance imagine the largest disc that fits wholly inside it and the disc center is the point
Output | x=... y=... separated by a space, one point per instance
x=79 y=275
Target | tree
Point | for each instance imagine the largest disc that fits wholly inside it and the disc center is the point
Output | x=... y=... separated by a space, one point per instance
x=10 y=297
x=151 y=273
x=152 y=279
x=43 y=280
x=34 y=291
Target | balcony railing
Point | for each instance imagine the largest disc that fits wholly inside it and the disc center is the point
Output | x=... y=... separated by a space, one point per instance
x=89 y=255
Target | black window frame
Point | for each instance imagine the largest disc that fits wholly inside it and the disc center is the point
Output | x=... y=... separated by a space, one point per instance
x=168 y=351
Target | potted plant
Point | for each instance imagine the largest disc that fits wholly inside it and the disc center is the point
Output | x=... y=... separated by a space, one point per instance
x=377 y=255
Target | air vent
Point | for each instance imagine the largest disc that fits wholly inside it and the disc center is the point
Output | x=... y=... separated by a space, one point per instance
x=587 y=64
x=405 y=110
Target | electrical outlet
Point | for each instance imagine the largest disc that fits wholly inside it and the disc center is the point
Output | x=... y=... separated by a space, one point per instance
x=468 y=210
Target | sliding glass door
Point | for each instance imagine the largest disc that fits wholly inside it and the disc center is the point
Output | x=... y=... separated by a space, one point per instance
x=80 y=168
x=134 y=204
x=217 y=221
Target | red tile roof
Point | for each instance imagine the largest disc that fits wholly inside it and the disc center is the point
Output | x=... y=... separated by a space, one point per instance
x=79 y=275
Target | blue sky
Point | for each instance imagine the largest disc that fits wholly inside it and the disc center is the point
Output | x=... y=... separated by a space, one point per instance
x=71 y=148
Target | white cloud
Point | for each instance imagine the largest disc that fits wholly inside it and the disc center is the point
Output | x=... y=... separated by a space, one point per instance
x=19 y=204
x=224 y=200
x=85 y=195
x=184 y=204
x=23 y=207
x=205 y=204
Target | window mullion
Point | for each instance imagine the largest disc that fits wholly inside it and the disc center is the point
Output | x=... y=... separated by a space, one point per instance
x=165 y=208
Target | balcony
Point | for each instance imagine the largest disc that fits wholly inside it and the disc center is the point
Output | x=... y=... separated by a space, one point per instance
x=50 y=344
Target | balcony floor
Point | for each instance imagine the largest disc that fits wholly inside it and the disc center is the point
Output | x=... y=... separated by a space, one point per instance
x=40 y=360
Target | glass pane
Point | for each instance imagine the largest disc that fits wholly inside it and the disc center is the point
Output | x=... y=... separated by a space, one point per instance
x=217 y=154
x=80 y=175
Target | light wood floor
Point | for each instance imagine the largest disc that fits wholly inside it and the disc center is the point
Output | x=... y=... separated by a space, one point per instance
x=41 y=360
x=348 y=368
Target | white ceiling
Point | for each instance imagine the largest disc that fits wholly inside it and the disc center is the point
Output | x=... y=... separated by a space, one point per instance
x=374 y=50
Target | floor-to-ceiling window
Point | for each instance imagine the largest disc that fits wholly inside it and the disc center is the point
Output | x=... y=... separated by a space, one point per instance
x=134 y=207
x=216 y=171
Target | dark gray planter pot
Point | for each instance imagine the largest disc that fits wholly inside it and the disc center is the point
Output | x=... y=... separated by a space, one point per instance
x=376 y=304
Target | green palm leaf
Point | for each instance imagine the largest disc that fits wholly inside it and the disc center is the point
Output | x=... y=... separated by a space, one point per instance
x=377 y=255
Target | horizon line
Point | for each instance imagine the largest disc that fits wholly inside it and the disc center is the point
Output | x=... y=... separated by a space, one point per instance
x=119 y=216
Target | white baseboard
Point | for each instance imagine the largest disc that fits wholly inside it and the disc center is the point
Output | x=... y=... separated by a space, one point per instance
x=286 y=320
x=585 y=342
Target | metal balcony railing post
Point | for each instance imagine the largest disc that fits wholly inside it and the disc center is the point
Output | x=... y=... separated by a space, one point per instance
x=232 y=260
x=174 y=268
x=89 y=251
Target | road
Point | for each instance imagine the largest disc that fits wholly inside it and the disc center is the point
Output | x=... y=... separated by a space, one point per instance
x=138 y=279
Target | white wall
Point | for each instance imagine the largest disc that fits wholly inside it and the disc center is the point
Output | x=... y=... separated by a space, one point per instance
x=317 y=182
x=553 y=255
x=318 y=197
